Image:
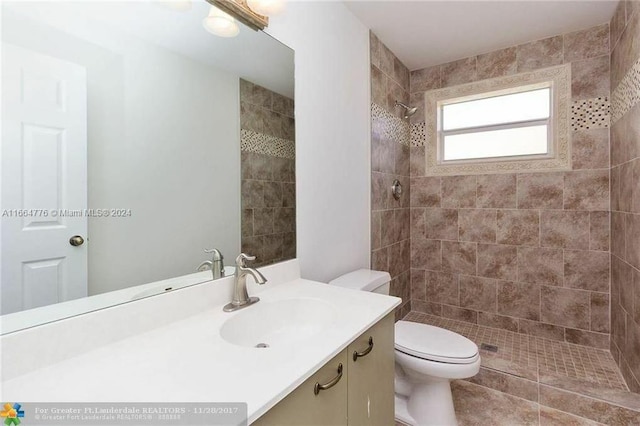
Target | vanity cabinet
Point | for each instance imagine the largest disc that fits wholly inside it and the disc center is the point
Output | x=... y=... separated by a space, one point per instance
x=370 y=393
x=363 y=394
x=304 y=407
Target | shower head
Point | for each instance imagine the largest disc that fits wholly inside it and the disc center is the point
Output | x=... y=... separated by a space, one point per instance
x=408 y=111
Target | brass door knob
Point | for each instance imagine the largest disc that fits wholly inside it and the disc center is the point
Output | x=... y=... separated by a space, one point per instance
x=76 y=240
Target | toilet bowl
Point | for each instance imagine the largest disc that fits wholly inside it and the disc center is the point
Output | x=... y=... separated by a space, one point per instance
x=427 y=358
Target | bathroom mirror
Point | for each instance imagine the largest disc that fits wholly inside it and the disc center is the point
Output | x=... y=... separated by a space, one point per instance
x=133 y=138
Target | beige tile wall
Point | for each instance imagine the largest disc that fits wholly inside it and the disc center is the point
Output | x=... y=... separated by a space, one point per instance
x=625 y=192
x=268 y=190
x=527 y=252
x=390 y=242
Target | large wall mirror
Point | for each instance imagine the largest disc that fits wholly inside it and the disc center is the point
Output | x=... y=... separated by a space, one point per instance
x=132 y=140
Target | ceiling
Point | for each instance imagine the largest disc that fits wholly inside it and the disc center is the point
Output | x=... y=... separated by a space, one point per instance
x=252 y=55
x=426 y=33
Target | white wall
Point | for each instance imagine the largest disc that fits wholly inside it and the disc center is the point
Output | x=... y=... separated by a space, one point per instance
x=332 y=135
x=163 y=141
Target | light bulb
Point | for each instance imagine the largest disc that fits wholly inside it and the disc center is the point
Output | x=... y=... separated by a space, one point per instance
x=266 y=7
x=220 y=23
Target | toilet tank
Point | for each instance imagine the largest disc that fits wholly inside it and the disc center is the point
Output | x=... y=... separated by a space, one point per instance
x=365 y=280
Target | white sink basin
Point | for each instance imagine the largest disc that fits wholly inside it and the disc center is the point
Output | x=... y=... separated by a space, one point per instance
x=279 y=323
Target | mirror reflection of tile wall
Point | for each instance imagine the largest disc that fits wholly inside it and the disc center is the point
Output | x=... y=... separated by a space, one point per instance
x=268 y=174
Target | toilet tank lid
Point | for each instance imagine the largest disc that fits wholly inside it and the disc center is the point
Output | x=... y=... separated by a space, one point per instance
x=362 y=279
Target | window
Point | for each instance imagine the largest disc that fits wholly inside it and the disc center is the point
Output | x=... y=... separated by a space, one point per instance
x=504 y=124
x=496 y=126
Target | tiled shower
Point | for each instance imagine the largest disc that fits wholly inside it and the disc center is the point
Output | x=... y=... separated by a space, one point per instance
x=549 y=261
x=527 y=252
x=625 y=191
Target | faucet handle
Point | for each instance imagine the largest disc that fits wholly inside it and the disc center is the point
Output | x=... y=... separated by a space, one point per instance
x=241 y=260
x=217 y=254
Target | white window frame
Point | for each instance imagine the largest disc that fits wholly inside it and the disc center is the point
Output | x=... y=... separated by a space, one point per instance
x=558 y=156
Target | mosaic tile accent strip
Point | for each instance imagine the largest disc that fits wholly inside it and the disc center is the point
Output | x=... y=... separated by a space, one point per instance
x=387 y=126
x=585 y=114
x=592 y=113
x=260 y=143
x=418 y=134
x=627 y=94
x=534 y=355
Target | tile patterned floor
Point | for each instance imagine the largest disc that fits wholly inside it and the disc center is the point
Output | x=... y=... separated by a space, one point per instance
x=534 y=357
x=539 y=382
x=480 y=406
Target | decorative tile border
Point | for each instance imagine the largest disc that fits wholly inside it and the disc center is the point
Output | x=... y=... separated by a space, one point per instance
x=592 y=113
x=260 y=143
x=627 y=94
x=418 y=134
x=387 y=126
x=585 y=114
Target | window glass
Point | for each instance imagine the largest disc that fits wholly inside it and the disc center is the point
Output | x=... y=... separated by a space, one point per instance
x=516 y=107
x=528 y=140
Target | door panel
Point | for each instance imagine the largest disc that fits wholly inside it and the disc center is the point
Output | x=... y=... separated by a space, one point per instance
x=42 y=149
x=41 y=282
x=44 y=172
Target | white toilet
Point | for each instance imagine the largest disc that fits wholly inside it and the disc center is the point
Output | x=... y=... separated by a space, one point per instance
x=427 y=359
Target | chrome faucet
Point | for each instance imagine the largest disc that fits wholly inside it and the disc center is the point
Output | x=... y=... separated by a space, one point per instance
x=216 y=264
x=241 y=298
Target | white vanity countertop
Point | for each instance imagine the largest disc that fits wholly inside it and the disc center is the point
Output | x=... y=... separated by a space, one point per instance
x=188 y=361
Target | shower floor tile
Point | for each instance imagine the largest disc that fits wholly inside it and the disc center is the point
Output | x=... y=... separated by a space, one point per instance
x=532 y=357
x=536 y=381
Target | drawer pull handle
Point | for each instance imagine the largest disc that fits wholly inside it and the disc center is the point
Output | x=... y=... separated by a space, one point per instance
x=318 y=387
x=366 y=352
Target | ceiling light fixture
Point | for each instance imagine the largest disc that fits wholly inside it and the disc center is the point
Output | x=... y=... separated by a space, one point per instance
x=266 y=7
x=220 y=23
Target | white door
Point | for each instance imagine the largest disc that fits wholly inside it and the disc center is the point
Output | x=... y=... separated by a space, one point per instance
x=44 y=173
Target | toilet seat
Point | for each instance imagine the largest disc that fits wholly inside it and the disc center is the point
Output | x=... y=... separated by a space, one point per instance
x=434 y=343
